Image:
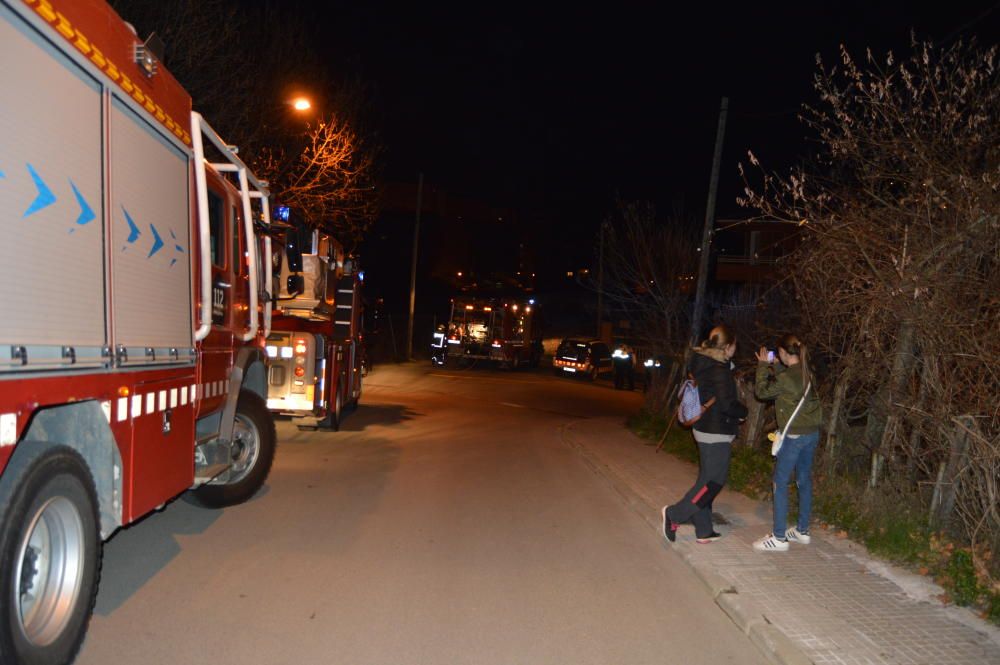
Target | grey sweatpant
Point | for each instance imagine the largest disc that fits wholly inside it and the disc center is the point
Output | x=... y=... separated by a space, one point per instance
x=696 y=506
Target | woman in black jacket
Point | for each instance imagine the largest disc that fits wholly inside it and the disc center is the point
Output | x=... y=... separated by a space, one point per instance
x=712 y=369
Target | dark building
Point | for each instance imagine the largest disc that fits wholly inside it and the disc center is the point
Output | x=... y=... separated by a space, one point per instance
x=747 y=250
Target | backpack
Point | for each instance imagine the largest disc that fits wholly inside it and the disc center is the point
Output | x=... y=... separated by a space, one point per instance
x=690 y=409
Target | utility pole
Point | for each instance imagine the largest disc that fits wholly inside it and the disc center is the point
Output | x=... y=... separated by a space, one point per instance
x=706 y=236
x=413 y=267
x=600 y=284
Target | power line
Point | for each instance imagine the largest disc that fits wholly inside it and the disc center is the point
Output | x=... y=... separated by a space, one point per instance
x=959 y=30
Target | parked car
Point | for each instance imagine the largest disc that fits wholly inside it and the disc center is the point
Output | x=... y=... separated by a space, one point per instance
x=589 y=357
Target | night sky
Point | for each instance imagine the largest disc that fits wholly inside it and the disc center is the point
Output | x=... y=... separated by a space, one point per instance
x=534 y=105
x=556 y=111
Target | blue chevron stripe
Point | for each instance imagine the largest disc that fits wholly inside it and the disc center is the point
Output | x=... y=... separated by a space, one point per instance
x=157 y=242
x=45 y=196
x=134 y=231
x=86 y=214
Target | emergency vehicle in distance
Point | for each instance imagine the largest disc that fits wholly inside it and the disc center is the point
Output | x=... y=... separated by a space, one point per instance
x=315 y=346
x=504 y=331
x=132 y=363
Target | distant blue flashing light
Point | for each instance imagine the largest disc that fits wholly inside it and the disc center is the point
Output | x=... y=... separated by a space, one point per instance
x=281 y=213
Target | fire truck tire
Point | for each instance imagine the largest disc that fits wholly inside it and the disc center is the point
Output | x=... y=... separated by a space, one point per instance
x=50 y=558
x=353 y=406
x=252 y=456
x=338 y=408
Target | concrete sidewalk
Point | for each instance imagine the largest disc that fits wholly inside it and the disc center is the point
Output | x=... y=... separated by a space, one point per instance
x=827 y=602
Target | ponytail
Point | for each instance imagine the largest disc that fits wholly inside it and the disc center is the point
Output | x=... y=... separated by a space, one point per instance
x=804 y=361
x=793 y=346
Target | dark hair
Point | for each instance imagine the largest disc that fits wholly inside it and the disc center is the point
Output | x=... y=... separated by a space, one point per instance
x=793 y=346
x=719 y=337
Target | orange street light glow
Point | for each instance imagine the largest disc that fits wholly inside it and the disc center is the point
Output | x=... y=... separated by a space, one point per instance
x=301 y=104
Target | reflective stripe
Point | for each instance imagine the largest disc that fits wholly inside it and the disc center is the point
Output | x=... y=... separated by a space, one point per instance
x=8 y=429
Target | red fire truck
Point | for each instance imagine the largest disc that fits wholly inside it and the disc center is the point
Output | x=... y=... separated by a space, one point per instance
x=132 y=362
x=315 y=346
x=502 y=331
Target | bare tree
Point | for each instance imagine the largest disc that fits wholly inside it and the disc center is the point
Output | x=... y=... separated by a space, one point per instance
x=898 y=272
x=330 y=179
x=241 y=64
x=648 y=274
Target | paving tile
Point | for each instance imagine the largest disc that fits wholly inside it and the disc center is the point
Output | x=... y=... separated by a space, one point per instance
x=828 y=604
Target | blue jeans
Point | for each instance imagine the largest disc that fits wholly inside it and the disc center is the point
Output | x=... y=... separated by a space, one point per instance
x=795 y=455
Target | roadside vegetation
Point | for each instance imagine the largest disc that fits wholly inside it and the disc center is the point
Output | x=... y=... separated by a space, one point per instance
x=893 y=281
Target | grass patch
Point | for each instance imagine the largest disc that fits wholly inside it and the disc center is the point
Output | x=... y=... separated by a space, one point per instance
x=750 y=472
x=651 y=427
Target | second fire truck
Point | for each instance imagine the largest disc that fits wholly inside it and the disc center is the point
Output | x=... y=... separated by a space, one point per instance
x=315 y=346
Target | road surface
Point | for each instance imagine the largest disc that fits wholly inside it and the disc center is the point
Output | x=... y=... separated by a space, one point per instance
x=448 y=522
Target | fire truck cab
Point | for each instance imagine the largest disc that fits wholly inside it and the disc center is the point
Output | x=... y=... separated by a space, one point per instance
x=132 y=364
x=315 y=346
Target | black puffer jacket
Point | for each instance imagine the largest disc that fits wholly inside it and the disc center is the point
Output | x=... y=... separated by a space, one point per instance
x=710 y=369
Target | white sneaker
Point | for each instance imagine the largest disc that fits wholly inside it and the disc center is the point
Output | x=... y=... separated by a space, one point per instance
x=795 y=536
x=770 y=544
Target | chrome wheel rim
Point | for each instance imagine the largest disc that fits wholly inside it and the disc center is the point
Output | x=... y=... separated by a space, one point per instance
x=245 y=449
x=49 y=571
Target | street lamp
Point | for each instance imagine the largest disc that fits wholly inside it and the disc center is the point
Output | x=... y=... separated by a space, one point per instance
x=301 y=104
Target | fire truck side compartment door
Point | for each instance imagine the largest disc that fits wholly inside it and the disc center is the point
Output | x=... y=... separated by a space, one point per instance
x=150 y=232
x=51 y=206
x=162 y=432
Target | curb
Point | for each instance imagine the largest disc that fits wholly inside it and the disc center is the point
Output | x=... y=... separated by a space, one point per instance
x=715 y=583
x=772 y=643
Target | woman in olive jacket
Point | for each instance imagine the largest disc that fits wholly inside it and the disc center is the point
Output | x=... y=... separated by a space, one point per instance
x=788 y=384
x=711 y=366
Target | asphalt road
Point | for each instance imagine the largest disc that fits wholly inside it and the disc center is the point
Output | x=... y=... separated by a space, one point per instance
x=448 y=522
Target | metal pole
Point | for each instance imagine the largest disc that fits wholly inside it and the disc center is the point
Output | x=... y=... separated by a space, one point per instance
x=600 y=284
x=706 y=236
x=413 y=268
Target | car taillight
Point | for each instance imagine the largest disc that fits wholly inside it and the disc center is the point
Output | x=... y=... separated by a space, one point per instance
x=300 y=371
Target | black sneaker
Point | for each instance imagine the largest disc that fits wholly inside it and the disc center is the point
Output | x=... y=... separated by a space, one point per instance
x=715 y=535
x=669 y=528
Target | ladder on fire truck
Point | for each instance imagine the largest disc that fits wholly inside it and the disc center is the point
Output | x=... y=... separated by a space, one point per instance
x=233 y=164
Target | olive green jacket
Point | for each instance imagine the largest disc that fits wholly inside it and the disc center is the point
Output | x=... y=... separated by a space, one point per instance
x=784 y=386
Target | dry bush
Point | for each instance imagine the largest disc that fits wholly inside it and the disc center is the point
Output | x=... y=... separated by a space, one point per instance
x=898 y=272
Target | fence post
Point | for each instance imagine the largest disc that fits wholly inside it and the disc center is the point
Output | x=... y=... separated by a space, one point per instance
x=755 y=421
x=947 y=489
x=839 y=392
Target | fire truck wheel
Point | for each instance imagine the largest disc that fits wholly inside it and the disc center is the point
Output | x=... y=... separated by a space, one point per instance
x=50 y=552
x=338 y=407
x=353 y=406
x=253 y=452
